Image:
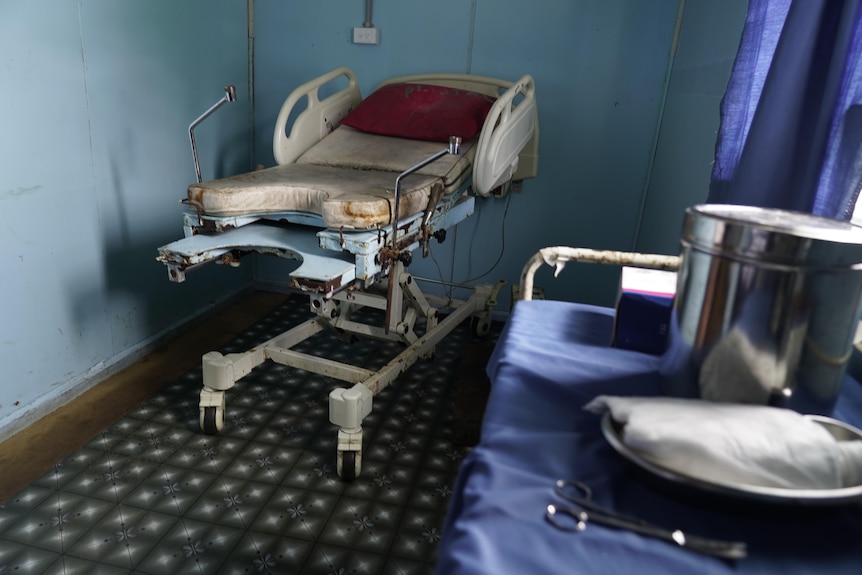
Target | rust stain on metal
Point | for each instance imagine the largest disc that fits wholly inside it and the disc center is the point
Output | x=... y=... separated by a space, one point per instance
x=559 y=255
x=230 y=258
x=211 y=226
x=405 y=242
x=315 y=286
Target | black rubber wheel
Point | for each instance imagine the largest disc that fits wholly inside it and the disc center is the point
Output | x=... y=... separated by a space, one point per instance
x=479 y=328
x=209 y=422
x=348 y=466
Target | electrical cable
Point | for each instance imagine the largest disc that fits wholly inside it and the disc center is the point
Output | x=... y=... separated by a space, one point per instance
x=502 y=242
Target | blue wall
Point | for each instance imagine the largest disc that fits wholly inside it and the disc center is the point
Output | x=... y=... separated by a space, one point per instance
x=601 y=70
x=96 y=101
x=686 y=139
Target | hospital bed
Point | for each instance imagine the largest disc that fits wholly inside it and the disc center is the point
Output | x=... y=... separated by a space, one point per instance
x=352 y=207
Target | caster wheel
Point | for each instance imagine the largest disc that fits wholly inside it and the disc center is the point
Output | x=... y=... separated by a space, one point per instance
x=350 y=463
x=479 y=327
x=212 y=420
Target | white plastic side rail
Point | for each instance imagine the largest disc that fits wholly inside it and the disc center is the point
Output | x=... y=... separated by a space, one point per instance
x=558 y=256
x=318 y=119
x=507 y=130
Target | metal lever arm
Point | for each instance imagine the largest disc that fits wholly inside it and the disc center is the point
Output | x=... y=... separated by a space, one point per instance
x=454 y=147
x=229 y=96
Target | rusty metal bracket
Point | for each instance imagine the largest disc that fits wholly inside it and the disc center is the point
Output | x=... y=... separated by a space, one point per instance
x=557 y=256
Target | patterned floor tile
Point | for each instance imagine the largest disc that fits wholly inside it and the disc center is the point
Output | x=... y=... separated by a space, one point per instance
x=67 y=565
x=153 y=441
x=106 y=440
x=61 y=473
x=263 y=462
x=362 y=524
x=22 y=559
x=384 y=482
x=418 y=535
x=432 y=489
x=231 y=502
x=179 y=412
x=443 y=455
x=403 y=415
x=207 y=453
x=170 y=490
x=330 y=560
x=242 y=422
x=152 y=494
x=58 y=522
x=324 y=441
x=401 y=447
x=111 y=477
x=316 y=472
x=266 y=553
x=295 y=431
x=123 y=537
x=192 y=547
x=23 y=503
x=399 y=566
x=296 y=513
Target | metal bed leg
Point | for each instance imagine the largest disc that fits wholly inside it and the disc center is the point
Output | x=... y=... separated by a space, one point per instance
x=220 y=373
x=348 y=407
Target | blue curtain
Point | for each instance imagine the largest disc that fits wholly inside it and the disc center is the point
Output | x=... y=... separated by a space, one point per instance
x=791 y=120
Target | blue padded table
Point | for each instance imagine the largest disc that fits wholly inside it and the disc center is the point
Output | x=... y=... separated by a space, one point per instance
x=551 y=359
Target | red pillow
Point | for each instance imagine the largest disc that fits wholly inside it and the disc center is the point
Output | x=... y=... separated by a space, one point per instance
x=421 y=112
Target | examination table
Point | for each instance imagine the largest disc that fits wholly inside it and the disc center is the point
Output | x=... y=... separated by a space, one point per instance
x=359 y=185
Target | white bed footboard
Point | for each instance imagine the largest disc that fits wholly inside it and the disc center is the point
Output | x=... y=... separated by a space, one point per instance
x=318 y=119
x=509 y=127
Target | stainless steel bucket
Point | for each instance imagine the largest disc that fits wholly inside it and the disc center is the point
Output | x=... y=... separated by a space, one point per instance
x=766 y=307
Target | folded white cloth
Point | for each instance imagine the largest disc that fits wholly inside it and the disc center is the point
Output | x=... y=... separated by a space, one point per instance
x=734 y=443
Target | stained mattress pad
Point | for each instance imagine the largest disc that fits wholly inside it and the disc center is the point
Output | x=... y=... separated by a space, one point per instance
x=348 y=179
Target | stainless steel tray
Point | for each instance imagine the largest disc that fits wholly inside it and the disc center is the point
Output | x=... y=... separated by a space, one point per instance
x=613 y=432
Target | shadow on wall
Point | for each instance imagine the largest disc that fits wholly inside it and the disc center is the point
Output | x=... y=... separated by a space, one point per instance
x=131 y=294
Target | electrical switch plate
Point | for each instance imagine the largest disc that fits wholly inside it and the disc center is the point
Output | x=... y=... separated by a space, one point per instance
x=365 y=35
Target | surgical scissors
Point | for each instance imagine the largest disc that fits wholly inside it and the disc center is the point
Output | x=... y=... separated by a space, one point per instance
x=585 y=510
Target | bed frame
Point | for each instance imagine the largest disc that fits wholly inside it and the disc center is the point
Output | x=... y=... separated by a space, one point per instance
x=343 y=272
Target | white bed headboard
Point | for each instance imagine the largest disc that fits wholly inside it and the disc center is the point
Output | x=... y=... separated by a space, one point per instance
x=509 y=142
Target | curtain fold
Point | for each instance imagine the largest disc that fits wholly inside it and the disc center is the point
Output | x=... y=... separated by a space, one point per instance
x=791 y=118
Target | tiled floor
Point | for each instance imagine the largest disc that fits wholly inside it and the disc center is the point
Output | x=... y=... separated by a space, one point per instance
x=152 y=494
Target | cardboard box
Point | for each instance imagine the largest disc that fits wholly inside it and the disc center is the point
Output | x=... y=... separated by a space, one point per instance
x=643 y=309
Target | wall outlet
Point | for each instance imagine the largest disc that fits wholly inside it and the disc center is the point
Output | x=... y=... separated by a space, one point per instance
x=365 y=35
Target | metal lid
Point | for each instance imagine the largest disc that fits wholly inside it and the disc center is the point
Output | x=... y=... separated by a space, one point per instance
x=767 y=235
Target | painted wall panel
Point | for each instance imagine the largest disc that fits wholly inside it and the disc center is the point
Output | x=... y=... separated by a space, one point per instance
x=97 y=100
x=600 y=70
x=296 y=41
x=708 y=42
